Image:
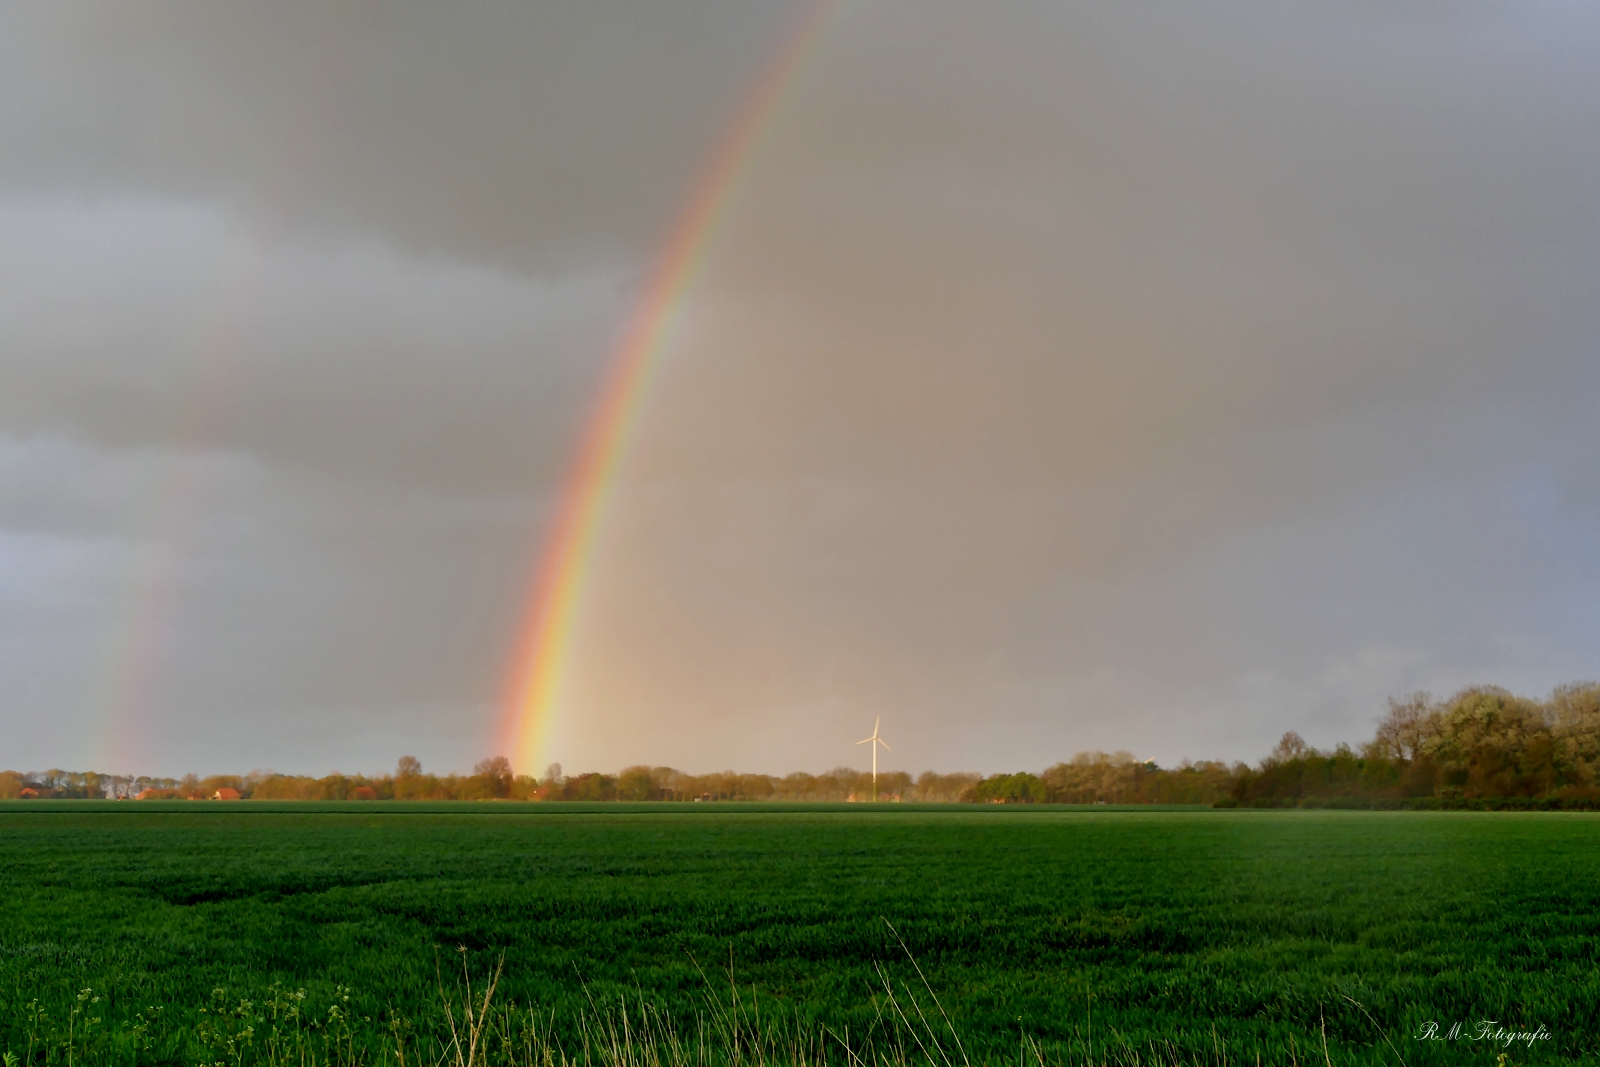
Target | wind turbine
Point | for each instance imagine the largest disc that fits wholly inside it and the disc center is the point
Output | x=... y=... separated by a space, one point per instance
x=875 y=741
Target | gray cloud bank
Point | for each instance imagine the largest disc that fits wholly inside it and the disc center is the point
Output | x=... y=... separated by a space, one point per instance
x=1064 y=376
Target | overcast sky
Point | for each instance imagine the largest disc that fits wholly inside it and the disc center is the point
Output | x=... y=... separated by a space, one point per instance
x=1066 y=376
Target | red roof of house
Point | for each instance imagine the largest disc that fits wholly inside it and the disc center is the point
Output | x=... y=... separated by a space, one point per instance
x=225 y=794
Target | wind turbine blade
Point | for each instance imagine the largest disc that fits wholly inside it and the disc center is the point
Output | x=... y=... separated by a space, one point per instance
x=875 y=724
x=885 y=745
x=864 y=740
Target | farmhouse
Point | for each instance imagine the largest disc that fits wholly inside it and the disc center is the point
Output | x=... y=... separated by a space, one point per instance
x=225 y=794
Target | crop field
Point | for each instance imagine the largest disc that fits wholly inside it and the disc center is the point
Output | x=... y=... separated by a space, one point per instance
x=298 y=934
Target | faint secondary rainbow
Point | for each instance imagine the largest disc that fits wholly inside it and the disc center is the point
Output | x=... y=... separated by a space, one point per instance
x=127 y=685
x=569 y=550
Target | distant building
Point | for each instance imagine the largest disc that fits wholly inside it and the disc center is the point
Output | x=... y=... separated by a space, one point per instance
x=28 y=793
x=225 y=794
x=363 y=792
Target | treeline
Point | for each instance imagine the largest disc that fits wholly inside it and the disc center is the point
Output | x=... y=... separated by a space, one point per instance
x=493 y=779
x=1482 y=744
x=1482 y=747
x=1118 y=778
x=1088 y=778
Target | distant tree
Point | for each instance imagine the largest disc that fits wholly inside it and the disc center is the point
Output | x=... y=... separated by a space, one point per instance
x=590 y=787
x=1019 y=788
x=496 y=775
x=1574 y=715
x=411 y=784
x=1291 y=746
x=1406 y=726
x=1492 y=743
x=797 y=786
x=721 y=785
x=670 y=783
x=894 y=785
x=934 y=788
x=635 y=783
x=753 y=787
x=1205 y=782
x=1095 y=778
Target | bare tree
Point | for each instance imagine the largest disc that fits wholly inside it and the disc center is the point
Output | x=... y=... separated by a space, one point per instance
x=497 y=771
x=1407 y=724
x=1290 y=746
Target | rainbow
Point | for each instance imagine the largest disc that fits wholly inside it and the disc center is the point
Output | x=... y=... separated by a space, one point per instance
x=127 y=688
x=569 y=549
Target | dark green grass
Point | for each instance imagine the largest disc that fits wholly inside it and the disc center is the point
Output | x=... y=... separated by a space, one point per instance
x=1222 y=933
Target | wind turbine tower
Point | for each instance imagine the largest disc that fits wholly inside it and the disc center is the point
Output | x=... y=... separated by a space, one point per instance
x=875 y=741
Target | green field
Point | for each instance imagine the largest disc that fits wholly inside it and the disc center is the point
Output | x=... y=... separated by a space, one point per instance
x=1059 y=935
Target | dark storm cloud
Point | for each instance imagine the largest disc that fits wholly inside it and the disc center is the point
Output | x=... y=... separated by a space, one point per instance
x=532 y=135
x=1065 y=375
